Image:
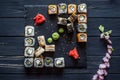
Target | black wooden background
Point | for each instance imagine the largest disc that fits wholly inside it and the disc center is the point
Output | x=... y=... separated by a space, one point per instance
x=12 y=22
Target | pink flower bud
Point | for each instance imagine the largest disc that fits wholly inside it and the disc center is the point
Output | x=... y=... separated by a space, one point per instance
x=109 y=41
x=101 y=77
x=107 y=37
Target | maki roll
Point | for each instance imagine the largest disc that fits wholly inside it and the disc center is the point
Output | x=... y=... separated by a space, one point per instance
x=28 y=62
x=72 y=18
x=59 y=62
x=29 y=52
x=29 y=31
x=82 y=18
x=70 y=27
x=62 y=21
x=29 y=41
x=82 y=8
x=62 y=8
x=50 y=48
x=82 y=37
x=82 y=27
x=72 y=8
x=39 y=51
x=38 y=63
x=52 y=9
x=41 y=41
x=48 y=62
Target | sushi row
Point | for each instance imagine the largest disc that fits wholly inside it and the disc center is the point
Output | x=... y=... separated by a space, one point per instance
x=47 y=62
x=63 y=8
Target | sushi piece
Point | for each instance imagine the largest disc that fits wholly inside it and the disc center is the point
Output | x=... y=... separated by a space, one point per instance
x=72 y=17
x=62 y=8
x=48 y=62
x=72 y=8
x=82 y=8
x=52 y=9
x=39 y=51
x=50 y=48
x=41 y=41
x=29 y=52
x=82 y=37
x=59 y=62
x=82 y=18
x=70 y=27
x=29 y=31
x=29 y=41
x=62 y=21
x=38 y=63
x=28 y=62
x=82 y=27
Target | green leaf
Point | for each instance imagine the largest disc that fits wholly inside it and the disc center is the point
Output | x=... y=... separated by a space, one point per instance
x=101 y=28
x=112 y=49
x=110 y=31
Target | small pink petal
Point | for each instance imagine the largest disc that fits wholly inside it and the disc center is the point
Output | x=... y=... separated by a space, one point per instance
x=100 y=72
x=105 y=59
x=95 y=77
x=102 y=66
x=102 y=35
x=109 y=46
x=101 y=77
x=105 y=73
x=110 y=51
x=108 y=56
x=109 y=41
x=107 y=64
x=107 y=37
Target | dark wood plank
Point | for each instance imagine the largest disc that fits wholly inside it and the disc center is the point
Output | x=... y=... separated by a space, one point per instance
x=12 y=26
x=11 y=8
x=14 y=64
x=94 y=47
x=54 y=77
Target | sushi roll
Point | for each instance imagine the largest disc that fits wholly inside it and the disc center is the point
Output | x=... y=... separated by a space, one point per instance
x=39 y=51
x=59 y=62
x=70 y=27
x=82 y=27
x=29 y=41
x=48 y=61
x=29 y=31
x=28 y=62
x=29 y=52
x=72 y=8
x=38 y=63
x=62 y=21
x=82 y=18
x=72 y=18
x=82 y=8
x=41 y=41
x=62 y=8
x=50 y=48
x=82 y=37
x=52 y=9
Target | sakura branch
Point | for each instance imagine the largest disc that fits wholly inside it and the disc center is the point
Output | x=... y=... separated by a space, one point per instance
x=102 y=71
